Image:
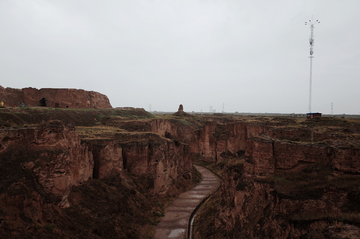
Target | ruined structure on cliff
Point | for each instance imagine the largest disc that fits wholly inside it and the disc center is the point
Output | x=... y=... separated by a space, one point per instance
x=57 y=98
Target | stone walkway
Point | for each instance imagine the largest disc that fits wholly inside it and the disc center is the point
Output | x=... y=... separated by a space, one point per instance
x=175 y=222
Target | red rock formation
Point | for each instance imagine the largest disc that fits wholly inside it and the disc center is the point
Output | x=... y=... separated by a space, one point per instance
x=217 y=141
x=107 y=156
x=52 y=152
x=54 y=156
x=237 y=137
x=250 y=205
x=205 y=143
x=158 y=159
x=168 y=129
x=259 y=155
x=11 y=96
x=63 y=98
x=41 y=165
x=253 y=209
x=264 y=156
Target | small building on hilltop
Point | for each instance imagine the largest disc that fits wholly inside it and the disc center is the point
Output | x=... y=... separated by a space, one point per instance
x=313 y=115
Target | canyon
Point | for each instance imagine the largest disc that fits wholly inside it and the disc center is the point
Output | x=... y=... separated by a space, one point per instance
x=105 y=173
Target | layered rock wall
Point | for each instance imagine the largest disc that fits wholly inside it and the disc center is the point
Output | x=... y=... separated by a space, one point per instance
x=53 y=152
x=216 y=142
x=53 y=156
x=58 y=159
x=253 y=209
x=158 y=159
x=264 y=156
x=62 y=98
x=107 y=156
x=251 y=206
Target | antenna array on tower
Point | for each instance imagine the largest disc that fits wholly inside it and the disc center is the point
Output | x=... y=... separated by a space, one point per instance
x=311 y=41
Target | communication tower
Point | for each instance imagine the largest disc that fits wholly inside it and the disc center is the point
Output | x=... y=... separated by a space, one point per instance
x=311 y=42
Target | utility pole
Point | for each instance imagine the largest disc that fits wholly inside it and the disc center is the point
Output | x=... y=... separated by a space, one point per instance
x=311 y=41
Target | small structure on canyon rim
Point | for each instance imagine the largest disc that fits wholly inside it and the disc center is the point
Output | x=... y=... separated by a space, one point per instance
x=181 y=112
x=313 y=115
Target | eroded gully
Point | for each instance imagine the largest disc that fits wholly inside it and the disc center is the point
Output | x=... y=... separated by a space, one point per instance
x=175 y=223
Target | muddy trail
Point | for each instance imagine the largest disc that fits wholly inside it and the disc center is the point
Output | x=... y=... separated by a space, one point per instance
x=177 y=215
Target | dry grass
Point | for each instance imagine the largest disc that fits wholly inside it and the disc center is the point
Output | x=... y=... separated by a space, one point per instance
x=97 y=132
x=192 y=120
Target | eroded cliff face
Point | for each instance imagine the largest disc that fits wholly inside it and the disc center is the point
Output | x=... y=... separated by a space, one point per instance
x=265 y=156
x=159 y=161
x=289 y=189
x=260 y=198
x=215 y=142
x=62 y=98
x=252 y=208
x=52 y=152
x=42 y=166
x=107 y=155
x=59 y=159
x=39 y=166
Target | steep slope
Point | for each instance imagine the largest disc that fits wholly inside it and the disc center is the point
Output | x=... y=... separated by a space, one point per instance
x=101 y=184
x=289 y=187
x=81 y=173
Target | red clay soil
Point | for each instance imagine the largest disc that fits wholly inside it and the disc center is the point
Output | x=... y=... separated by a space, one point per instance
x=175 y=222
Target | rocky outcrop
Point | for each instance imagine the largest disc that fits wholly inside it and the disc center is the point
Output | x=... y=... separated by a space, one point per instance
x=45 y=170
x=205 y=144
x=59 y=160
x=253 y=209
x=41 y=165
x=258 y=201
x=61 y=98
x=107 y=155
x=52 y=152
x=159 y=161
x=265 y=156
x=216 y=142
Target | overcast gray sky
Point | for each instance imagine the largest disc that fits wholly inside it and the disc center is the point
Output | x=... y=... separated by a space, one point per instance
x=250 y=55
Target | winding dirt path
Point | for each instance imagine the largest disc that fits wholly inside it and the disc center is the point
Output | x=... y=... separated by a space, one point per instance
x=177 y=215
